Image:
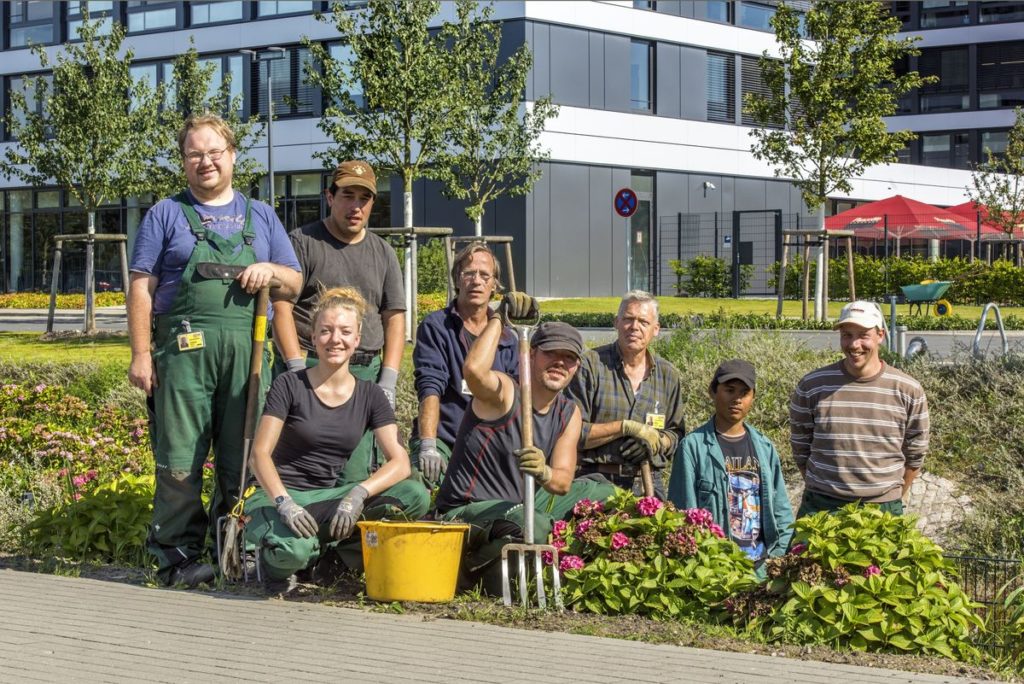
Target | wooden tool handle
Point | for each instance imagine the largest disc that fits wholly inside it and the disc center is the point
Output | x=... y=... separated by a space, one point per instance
x=648 y=478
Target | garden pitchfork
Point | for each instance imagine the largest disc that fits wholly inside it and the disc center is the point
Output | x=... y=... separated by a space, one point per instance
x=528 y=549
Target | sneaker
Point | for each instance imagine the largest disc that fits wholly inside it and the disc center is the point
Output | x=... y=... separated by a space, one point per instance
x=191 y=574
x=280 y=587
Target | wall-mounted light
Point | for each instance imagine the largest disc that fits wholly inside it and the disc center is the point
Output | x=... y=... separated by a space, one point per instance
x=708 y=185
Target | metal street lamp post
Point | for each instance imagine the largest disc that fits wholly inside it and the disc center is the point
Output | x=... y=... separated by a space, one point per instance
x=268 y=55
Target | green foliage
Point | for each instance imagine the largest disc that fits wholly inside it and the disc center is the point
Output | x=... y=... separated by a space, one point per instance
x=832 y=87
x=973 y=283
x=496 y=144
x=1011 y=634
x=401 y=70
x=108 y=524
x=998 y=184
x=867 y=580
x=704 y=276
x=645 y=557
x=431 y=268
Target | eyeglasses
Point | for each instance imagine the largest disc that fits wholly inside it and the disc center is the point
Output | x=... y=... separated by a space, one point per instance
x=473 y=275
x=197 y=157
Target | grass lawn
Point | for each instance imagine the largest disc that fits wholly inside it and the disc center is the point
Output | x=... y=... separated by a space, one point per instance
x=27 y=347
x=702 y=305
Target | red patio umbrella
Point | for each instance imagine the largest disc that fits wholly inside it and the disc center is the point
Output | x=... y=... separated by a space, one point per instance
x=901 y=217
x=970 y=210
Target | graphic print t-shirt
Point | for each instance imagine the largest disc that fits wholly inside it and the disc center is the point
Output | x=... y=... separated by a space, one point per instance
x=744 y=494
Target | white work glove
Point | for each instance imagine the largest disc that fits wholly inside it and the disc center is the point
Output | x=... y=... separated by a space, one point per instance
x=431 y=463
x=387 y=382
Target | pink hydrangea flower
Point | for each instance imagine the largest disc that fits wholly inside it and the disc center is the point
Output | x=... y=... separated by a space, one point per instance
x=716 y=530
x=62 y=472
x=585 y=507
x=872 y=570
x=91 y=475
x=798 y=549
x=699 y=517
x=570 y=563
x=558 y=544
x=208 y=465
x=79 y=481
x=582 y=526
x=619 y=540
x=648 y=506
x=77 y=496
x=547 y=557
x=559 y=528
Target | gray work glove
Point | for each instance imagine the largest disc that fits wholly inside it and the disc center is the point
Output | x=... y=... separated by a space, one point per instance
x=532 y=462
x=432 y=465
x=387 y=382
x=642 y=442
x=343 y=524
x=298 y=519
x=296 y=365
x=519 y=305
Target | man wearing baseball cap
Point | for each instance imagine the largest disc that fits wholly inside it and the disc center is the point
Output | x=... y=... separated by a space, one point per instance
x=483 y=485
x=858 y=427
x=339 y=251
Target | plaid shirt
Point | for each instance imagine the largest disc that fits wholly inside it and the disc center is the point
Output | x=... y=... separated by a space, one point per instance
x=604 y=394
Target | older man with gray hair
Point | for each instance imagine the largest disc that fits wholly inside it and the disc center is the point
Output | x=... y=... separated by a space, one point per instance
x=631 y=400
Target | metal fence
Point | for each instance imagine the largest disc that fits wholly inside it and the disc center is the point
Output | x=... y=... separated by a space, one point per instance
x=987 y=581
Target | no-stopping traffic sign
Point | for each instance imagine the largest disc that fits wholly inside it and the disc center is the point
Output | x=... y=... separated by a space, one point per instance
x=625 y=203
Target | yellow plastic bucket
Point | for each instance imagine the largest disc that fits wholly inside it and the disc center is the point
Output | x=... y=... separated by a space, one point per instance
x=412 y=561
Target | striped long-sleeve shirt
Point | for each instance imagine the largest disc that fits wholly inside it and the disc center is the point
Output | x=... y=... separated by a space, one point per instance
x=855 y=436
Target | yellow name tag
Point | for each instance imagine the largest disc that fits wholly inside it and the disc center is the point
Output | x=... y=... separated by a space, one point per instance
x=656 y=420
x=191 y=340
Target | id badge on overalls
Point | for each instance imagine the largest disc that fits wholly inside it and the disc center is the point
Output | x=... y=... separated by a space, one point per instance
x=656 y=419
x=190 y=340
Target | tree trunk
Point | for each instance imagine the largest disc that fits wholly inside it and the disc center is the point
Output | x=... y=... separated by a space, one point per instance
x=90 y=277
x=478 y=226
x=819 y=274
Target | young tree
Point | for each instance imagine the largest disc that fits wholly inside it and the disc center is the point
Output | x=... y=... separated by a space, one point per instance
x=193 y=91
x=832 y=84
x=96 y=135
x=998 y=183
x=496 y=139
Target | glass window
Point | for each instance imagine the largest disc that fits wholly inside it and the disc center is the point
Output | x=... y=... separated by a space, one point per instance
x=102 y=11
x=344 y=55
x=752 y=82
x=644 y=4
x=994 y=142
x=721 y=87
x=950 y=92
x=950 y=150
x=937 y=13
x=756 y=15
x=640 y=72
x=27 y=86
x=716 y=10
x=1001 y=75
x=293 y=94
x=269 y=8
x=992 y=12
x=151 y=16
x=30 y=22
x=214 y=12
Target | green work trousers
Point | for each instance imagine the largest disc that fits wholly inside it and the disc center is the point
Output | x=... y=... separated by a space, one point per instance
x=282 y=552
x=814 y=502
x=493 y=524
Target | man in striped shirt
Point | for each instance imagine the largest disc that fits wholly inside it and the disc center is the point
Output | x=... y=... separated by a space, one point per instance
x=858 y=427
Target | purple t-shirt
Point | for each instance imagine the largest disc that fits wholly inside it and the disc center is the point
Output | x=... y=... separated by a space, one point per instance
x=164 y=242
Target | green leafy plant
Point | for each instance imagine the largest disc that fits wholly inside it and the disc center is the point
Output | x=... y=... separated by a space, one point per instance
x=107 y=524
x=646 y=557
x=864 y=579
x=1011 y=634
x=705 y=276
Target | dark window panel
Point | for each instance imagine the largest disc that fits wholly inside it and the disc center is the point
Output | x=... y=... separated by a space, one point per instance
x=752 y=82
x=721 y=87
x=214 y=12
x=944 y=13
x=641 y=72
x=1001 y=75
x=994 y=12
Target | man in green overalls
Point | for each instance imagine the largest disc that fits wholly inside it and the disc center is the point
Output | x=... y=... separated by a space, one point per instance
x=191 y=338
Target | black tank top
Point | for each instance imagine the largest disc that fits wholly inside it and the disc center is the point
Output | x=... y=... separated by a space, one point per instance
x=483 y=466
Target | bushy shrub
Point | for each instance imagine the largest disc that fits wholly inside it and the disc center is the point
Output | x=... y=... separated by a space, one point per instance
x=1011 y=634
x=705 y=276
x=864 y=579
x=41 y=300
x=645 y=557
x=107 y=524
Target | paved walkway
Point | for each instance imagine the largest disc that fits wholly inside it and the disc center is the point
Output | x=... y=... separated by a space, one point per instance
x=69 y=629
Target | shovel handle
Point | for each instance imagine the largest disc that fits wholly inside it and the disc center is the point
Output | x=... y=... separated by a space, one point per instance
x=648 y=478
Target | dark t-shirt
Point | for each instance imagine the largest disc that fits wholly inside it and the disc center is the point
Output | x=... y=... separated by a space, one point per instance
x=317 y=440
x=744 y=493
x=369 y=265
x=483 y=466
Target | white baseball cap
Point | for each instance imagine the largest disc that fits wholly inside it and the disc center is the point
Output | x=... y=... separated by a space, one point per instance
x=864 y=314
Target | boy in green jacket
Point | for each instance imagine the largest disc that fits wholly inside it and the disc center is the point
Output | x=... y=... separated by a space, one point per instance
x=733 y=471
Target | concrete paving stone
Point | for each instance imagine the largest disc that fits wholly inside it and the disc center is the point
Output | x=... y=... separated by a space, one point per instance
x=199 y=632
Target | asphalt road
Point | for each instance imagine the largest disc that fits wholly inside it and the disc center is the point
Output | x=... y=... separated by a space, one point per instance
x=941 y=345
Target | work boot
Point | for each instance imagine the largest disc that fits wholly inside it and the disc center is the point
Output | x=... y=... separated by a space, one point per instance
x=191 y=574
x=280 y=587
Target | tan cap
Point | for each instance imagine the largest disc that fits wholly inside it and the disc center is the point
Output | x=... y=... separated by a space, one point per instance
x=860 y=313
x=355 y=173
